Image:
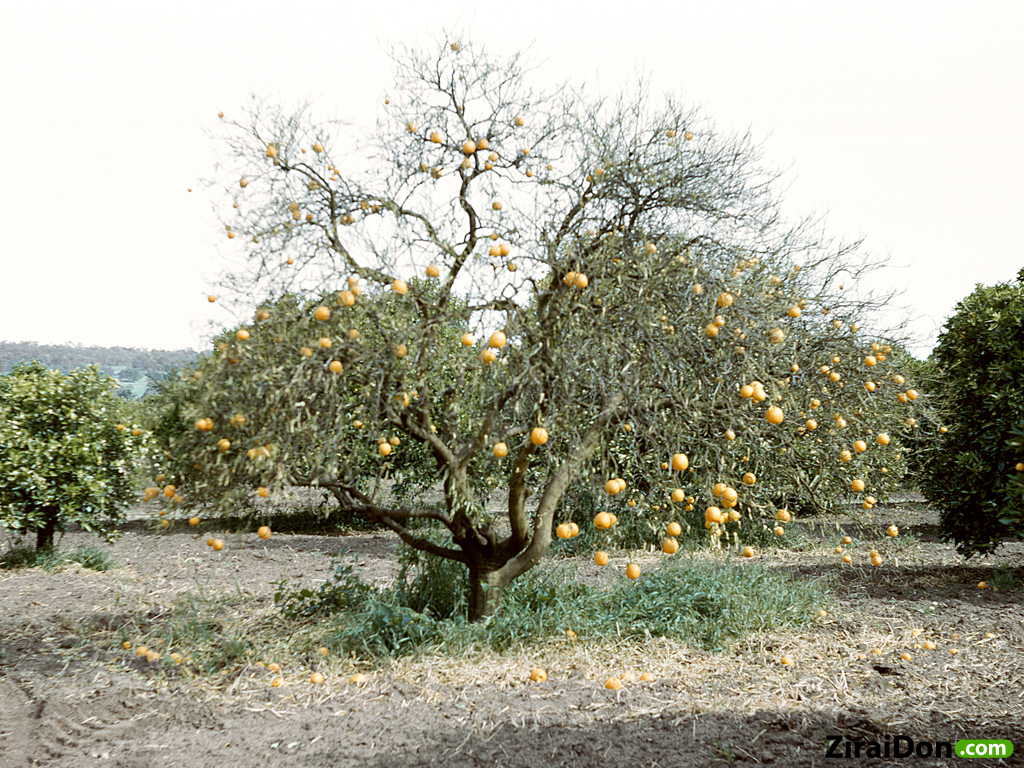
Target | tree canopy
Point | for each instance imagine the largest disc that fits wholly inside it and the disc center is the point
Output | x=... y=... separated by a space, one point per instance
x=531 y=288
x=64 y=457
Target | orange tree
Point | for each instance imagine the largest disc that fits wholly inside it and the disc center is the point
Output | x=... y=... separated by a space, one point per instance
x=64 y=456
x=623 y=273
x=974 y=471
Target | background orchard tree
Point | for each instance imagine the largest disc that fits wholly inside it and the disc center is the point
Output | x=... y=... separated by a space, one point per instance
x=620 y=270
x=974 y=471
x=64 y=456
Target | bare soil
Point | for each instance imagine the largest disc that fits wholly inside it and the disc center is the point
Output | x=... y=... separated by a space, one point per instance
x=71 y=696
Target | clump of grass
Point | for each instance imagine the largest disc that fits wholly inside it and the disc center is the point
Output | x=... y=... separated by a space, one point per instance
x=703 y=604
x=90 y=557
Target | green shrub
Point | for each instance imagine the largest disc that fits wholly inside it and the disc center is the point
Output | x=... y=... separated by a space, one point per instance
x=971 y=474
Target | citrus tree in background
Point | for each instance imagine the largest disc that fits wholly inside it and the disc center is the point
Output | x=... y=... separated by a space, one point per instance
x=532 y=289
x=975 y=471
x=64 y=457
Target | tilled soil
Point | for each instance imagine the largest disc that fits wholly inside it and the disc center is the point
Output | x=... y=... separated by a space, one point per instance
x=66 y=702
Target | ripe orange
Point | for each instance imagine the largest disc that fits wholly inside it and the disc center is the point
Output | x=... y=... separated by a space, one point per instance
x=500 y=450
x=711 y=330
x=774 y=415
x=674 y=529
x=433 y=271
x=538 y=675
x=497 y=340
x=217 y=545
x=193 y=521
x=749 y=478
x=613 y=684
x=384 y=449
x=860 y=446
x=713 y=515
x=467 y=340
x=263 y=532
x=400 y=286
x=787 y=661
x=538 y=435
x=680 y=462
x=603 y=521
x=730 y=435
x=242 y=335
x=601 y=558
x=748 y=552
x=563 y=531
x=335 y=367
x=783 y=515
x=670 y=546
x=633 y=571
x=857 y=485
x=847 y=559
x=401 y=350
x=488 y=355
x=322 y=313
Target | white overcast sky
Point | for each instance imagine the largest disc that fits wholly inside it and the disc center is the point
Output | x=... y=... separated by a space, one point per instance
x=902 y=122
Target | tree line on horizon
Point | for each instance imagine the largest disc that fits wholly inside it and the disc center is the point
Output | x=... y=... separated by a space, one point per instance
x=126 y=364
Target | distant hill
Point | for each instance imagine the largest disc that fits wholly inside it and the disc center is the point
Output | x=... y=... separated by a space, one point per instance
x=135 y=369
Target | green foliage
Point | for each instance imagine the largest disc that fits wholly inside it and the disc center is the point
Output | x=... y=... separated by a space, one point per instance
x=708 y=605
x=93 y=558
x=65 y=458
x=971 y=472
x=342 y=591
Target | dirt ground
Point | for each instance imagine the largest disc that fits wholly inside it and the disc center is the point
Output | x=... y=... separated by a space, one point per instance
x=71 y=696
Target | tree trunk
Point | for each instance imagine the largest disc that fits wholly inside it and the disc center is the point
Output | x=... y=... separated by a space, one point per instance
x=485 y=590
x=44 y=534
